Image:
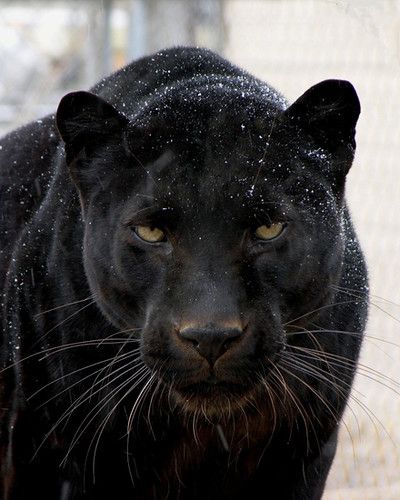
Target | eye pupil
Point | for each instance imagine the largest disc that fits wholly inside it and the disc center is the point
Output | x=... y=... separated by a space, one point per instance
x=150 y=234
x=270 y=232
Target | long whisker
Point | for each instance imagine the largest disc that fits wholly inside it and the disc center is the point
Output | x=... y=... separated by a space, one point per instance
x=64 y=321
x=344 y=332
x=363 y=293
x=133 y=330
x=371 y=415
x=272 y=399
x=62 y=306
x=159 y=383
x=121 y=348
x=75 y=405
x=123 y=357
x=361 y=368
x=141 y=373
x=138 y=399
x=103 y=424
x=100 y=407
x=313 y=371
x=74 y=372
x=319 y=374
x=156 y=389
x=364 y=299
x=327 y=306
x=44 y=353
x=302 y=381
x=122 y=370
x=298 y=404
x=130 y=421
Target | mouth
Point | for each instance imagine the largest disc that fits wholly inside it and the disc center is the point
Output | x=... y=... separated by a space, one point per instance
x=212 y=387
x=212 y=396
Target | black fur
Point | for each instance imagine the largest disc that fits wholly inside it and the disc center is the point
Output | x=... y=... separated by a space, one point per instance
x=250 y=346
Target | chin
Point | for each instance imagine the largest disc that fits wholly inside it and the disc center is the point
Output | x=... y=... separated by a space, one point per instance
x=215 y=401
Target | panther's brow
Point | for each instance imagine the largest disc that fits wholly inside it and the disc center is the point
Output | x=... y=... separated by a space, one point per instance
x=146 y=213
x=142 y=213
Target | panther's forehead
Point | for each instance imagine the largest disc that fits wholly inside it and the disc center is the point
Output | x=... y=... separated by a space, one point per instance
x=229 y=179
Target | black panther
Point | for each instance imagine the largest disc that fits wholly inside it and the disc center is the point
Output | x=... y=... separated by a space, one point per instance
x=176 y=261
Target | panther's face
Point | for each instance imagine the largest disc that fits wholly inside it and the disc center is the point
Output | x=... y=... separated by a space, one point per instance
x=208 y=240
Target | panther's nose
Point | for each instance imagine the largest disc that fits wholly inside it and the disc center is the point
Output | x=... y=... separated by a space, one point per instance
x=209 y=342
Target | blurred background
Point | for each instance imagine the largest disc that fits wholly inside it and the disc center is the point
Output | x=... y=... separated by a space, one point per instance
x=48 y=48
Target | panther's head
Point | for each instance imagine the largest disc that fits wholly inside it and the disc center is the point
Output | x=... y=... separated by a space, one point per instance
x=213 y=223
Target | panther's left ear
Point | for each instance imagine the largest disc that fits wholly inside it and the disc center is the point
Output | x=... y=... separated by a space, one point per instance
x=328 y=112
x=84 y=119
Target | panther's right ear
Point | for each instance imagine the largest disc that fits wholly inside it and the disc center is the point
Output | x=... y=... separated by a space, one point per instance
x=84 y=119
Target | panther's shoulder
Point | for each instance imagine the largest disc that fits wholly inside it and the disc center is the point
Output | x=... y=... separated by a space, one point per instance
x=26 y=168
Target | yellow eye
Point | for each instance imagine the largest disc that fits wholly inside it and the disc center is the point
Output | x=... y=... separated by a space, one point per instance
x=150 y=234
x=269 y=232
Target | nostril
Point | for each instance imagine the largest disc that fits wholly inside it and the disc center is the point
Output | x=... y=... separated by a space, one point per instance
x=195 y=343
x=228 y=342
x=189 y=335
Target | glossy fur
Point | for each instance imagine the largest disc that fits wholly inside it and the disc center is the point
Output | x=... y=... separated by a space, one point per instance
x=209 y=365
